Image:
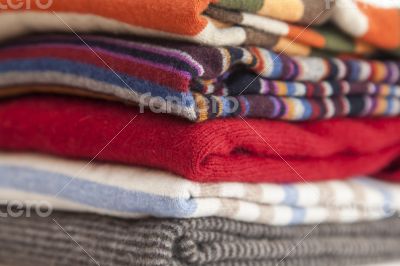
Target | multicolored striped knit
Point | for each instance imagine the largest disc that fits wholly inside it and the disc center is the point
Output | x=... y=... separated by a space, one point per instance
x=144 y=18
x=259 y=22
x=290 y=39
x=299 y=11
x=362 y=20
x=376 y=25
x=202 y=82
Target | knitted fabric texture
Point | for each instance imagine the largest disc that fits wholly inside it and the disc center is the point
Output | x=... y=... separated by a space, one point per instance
x=177 y=19
x=132 y=192
x=208 y=241
x=376 y=25
x=303 y=11
x=201 y=82
x=221 y=150
x=185 y=20
x=368 y=22
x=289 y=38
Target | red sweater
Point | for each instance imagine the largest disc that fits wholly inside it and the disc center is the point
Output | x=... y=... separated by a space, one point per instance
x=223 y=150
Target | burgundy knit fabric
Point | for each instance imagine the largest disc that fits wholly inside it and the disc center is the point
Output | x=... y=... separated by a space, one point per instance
x=224 y=150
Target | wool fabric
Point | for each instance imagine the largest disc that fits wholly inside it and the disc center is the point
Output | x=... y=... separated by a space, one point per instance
x=134 y=192
x=195 y=81
x=208 y=241
x=290 y=38
x=303 y=11
x=186 y=20
x=204 y=62
x=221 y=150
x=376 y=25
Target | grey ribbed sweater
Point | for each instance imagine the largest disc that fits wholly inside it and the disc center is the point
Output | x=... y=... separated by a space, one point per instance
x=207 y=241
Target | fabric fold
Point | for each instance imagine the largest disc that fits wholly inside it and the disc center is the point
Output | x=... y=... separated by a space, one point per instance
x=147 y=19
x=221 y=150
x=359 y=20
x=166 y=132
x=202 y=83
x=374 y=24
x=286 y=38
x=133 y=192
x=303 y=12
x=210 y=241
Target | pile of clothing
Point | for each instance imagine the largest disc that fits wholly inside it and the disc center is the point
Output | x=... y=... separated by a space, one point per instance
x=199 y=132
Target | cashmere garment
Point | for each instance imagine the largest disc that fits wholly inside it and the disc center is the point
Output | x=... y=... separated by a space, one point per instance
x=376 y=25
x=208 y=107
x=368 y=22
x=207 y=63
x=252 y=150
x=301 y=11
x=185 y=20
x=312 y=39
x=19 y=91
x=177 y=19
x=133 y=192
x=216 y=34
x=83 y=239
x=176 y=78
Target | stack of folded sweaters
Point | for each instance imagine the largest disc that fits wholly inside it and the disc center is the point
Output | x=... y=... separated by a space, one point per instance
x=200 y=132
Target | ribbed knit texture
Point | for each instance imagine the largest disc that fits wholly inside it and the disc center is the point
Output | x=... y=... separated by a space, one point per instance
x=186 y=20
x=293 y=38
x=221 y=150
x=300 y=11
x=210 y=241
x=373 y=24
x=195 y=81
x=127 y=191
x=378 y=26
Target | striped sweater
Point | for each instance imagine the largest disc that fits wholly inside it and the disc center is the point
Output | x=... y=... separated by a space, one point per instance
x=123 y=191
x=201 y=82
x=65 y=239
x=186 y=20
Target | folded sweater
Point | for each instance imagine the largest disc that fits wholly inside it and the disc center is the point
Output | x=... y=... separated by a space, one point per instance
x=200 y=82
x=369 y=22
x=186 y=20
x=82 y=239
x=222 y=150
x=290 y=38
x=364 y=20
x=177 y=19
x=136 y=192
